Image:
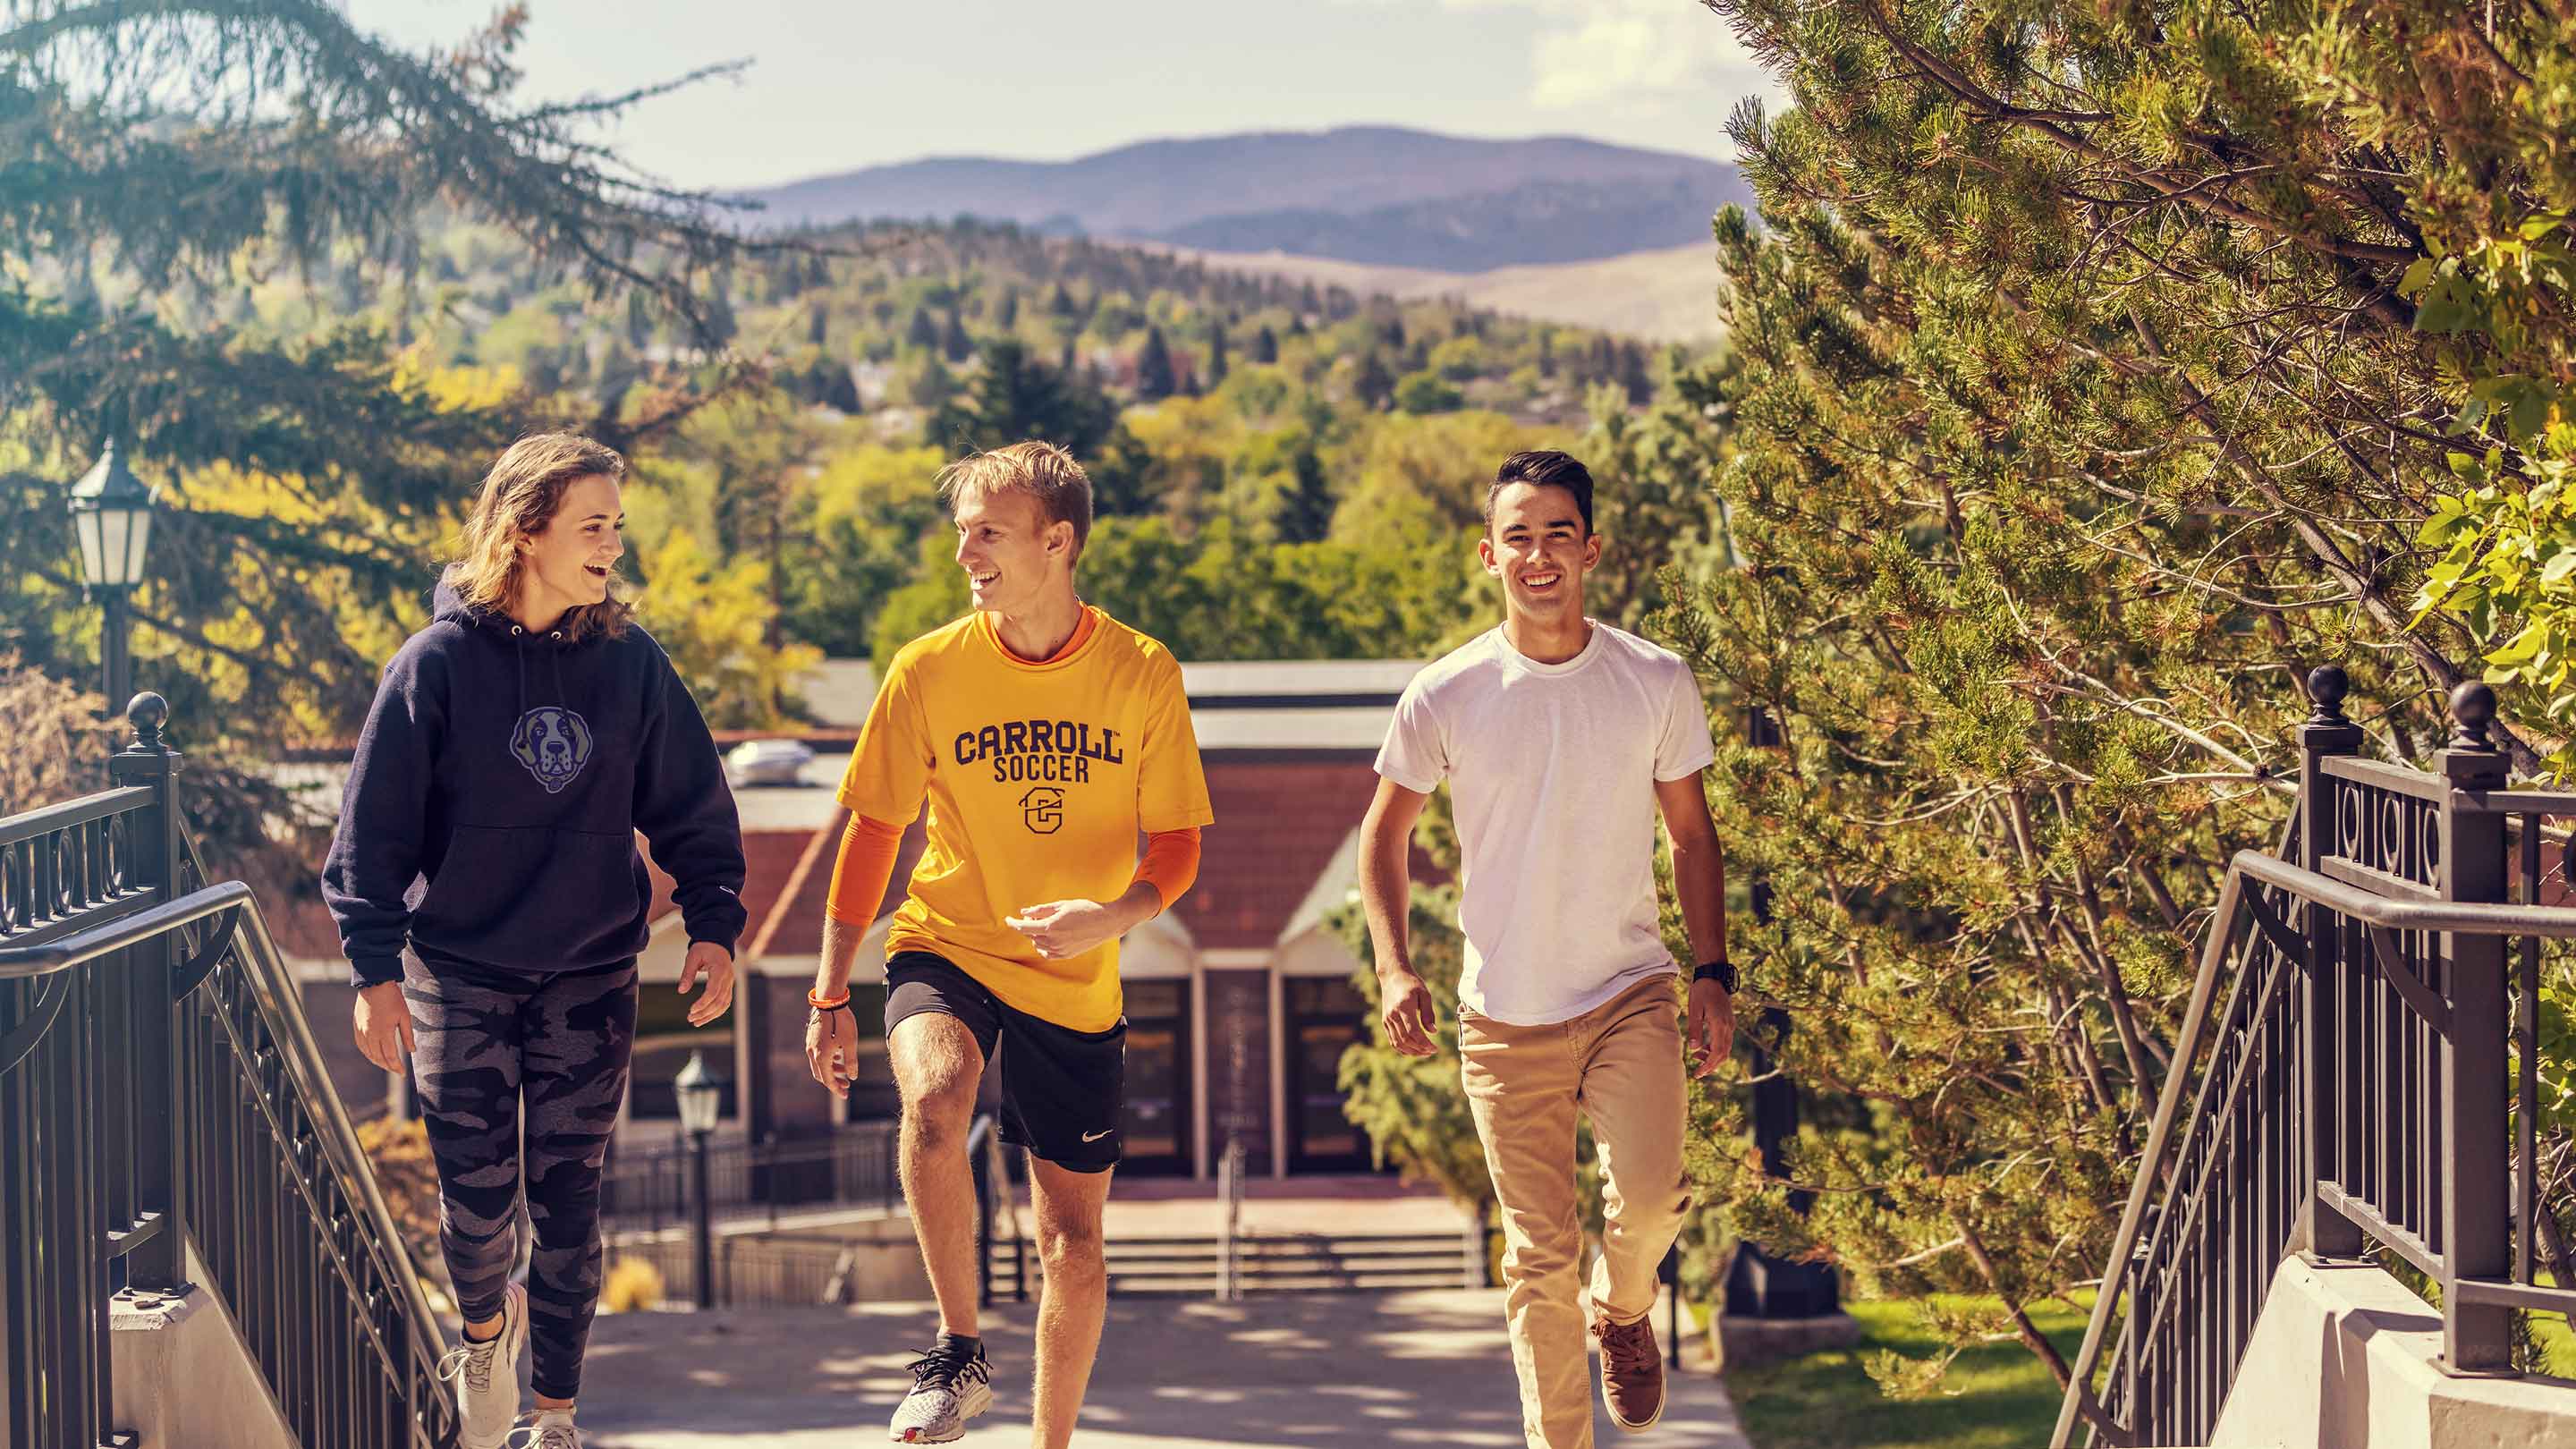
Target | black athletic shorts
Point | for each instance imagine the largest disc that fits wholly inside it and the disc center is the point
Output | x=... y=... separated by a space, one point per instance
x=1063 y=1091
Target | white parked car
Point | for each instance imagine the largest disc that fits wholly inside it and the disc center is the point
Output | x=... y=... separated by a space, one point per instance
x=767 y=762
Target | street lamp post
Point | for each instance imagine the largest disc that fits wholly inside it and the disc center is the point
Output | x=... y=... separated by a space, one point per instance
x=112 y=519
x=701 y=1094
x=1773 y=1306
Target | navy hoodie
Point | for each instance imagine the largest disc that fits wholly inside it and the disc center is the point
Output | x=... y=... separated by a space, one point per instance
x=491 y=812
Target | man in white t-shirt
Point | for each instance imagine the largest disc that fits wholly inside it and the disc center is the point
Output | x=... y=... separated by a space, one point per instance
x=1562 y=739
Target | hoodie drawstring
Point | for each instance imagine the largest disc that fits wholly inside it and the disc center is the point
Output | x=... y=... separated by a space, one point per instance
x=519 y=658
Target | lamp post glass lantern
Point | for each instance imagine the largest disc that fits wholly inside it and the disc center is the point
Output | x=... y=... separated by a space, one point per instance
x=701 y=1096
x=112 y=522
x=700 y=1093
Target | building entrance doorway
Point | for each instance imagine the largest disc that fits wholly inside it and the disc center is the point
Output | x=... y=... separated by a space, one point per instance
x=1158 y=1080
x=1326 y=1016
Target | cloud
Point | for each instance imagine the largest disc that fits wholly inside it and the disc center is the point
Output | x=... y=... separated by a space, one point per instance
x=1594 y=50
x=1630 y=47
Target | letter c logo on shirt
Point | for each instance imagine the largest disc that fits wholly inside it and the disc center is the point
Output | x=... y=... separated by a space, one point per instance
x=1043 y=809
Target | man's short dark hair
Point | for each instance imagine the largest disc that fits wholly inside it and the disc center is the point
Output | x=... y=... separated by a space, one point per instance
x=1547 y=468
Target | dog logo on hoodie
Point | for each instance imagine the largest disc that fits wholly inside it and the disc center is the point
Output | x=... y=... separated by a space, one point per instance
x=554 y=743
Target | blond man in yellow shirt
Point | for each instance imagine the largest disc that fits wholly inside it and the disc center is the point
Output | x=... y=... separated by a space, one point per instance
x=1045 y=737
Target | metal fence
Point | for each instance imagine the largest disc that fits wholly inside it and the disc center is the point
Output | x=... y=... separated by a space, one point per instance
x=751 y=1262
x=752 y=1268
x=160 y=1091
x=852 y=1168
x=2368 y=1078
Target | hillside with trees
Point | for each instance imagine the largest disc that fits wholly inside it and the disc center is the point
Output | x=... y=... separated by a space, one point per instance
x=1274 y=461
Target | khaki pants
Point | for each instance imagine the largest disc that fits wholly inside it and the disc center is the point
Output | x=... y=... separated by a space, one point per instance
x=1621 y=1063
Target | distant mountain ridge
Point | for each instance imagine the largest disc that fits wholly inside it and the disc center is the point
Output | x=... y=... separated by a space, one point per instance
x=1379 y=195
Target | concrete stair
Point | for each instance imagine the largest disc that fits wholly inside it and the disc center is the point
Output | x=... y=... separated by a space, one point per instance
x=1273 y=1263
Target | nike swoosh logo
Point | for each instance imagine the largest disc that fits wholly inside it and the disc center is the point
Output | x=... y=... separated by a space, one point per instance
x=1096 y=1136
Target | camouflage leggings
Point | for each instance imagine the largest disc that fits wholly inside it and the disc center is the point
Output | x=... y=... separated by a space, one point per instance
x=482 y=1045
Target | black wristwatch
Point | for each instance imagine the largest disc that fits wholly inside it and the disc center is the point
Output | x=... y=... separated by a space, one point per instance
x=1717 y=971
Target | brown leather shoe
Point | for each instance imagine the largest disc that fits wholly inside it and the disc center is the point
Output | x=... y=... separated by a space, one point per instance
x=1632 y=1373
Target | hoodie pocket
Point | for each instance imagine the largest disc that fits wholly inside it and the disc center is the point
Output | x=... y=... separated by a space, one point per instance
x=533 y=899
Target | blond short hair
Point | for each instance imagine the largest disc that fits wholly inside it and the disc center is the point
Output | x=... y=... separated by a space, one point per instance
x=1041 y=471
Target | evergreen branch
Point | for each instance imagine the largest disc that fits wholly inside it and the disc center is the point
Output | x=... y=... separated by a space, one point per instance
x=2053 y=126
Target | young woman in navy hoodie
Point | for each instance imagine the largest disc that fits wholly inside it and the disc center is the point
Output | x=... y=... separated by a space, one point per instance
x=515 y=748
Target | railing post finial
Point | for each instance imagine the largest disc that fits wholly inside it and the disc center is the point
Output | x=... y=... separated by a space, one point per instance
x=147 y=712
x=2473 y=709
x=2470 y=760
x=2327 y=685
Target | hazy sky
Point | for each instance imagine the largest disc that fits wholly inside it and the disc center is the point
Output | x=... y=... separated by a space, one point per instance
x=837 y=86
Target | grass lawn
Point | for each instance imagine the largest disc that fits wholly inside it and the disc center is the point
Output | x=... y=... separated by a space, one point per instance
x=1997 y=1396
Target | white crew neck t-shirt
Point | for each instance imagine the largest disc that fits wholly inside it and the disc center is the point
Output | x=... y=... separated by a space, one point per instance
x=1552 y=771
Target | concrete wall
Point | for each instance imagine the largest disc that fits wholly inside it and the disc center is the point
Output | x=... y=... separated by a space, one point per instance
x=839 y=1258
x=185 y=1378
x=2343 y=1358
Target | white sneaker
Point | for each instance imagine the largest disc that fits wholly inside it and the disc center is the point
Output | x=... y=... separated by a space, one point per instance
x=486 y=1375
x=552 y=1430
x=948 y=1388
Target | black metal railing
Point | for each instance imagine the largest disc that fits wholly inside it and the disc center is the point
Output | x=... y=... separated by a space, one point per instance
x=758 y=1269
x=164 y=1113
x=997 y=1217
x=851 y=1169
x=750 y=1264
x=2368 y=1078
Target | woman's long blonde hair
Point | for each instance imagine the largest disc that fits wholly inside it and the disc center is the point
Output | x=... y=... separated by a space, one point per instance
x=520 y=495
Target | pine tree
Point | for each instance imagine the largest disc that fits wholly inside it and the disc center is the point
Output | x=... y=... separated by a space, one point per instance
x=1216 y=356
x=953 y=341
x=1265 y=347
x=1634 y=377
x=840 y=389
x=1375 y=386
x=921 y=331
x=258 y=631
x=1014 y=398
x=1155 y=379
x=2052 y=358
x=1306 y=508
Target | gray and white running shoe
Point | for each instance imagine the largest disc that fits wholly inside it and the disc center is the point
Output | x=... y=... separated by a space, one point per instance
x=552 y=1430
x=949 y=1387
x=486 y=1376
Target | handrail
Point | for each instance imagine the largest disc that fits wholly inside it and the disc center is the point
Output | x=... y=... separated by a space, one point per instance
x=21 y=963
x=1230 y=1166
x=283 y=1001
x=46 y=819
x=2226 y=926
x=981 y=1166
x=2468 y=918
x=2223 y=924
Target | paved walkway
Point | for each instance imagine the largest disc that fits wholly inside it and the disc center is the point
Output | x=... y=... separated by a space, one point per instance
x=1155 y=1208
x=1276 y=1371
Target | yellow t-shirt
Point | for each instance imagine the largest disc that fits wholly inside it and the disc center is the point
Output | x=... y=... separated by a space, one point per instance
x=1039 y=777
